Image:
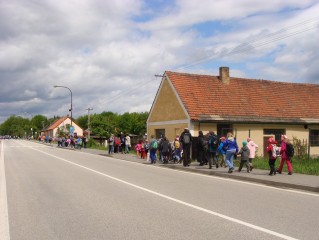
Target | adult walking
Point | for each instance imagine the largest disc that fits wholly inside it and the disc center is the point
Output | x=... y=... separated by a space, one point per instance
x=284 y=155
x=127 y=143
x=186 y=140
x=111 y=144
x=201 y=148
x=231 y=148
x=212 y=149
x=252 y=149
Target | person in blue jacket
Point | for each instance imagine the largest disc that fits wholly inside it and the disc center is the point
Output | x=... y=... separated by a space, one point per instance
x=231 y=149
x=222 y=152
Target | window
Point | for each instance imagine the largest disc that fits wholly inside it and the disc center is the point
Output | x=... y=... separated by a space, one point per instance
x=276 y=132
x=223 y=129
x=314 y=137
x=159 y=133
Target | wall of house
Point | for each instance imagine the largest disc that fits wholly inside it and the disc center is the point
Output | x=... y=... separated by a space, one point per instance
x=257 y=133
x=167 y=114
x=167 y=106
x=67 y=121
x=171 y=130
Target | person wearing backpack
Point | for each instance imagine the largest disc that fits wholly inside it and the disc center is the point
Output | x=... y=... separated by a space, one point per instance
x=177 y=150
x=165 y=149
x=212 y=149
x=285 y=157
x=271 y=150
x=222 y=152
x=231 y=149
x=153 y=149
x=244 y=159
x=186 y=140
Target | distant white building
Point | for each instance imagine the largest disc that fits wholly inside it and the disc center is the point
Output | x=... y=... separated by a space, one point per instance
x=63 y=124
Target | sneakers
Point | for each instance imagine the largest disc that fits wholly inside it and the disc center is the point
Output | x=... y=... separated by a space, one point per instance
x=290 y=173
x=231 y=170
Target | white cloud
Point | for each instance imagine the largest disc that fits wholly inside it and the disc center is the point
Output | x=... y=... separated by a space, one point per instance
x=108 y=59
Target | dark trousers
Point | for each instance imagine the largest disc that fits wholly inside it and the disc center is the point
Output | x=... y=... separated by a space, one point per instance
x=242 y=162
x=212 y=159
x=272 y=165
x=201 y=156
x=186 y=155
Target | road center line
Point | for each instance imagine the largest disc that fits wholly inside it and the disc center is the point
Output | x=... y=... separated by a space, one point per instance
x=174 y=199
x=4 y=217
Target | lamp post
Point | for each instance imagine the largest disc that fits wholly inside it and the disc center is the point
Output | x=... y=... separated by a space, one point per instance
x=89 y=128
x=57 y=86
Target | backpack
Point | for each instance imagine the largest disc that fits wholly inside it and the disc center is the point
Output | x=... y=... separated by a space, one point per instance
x=213 y=142
x=186 y=138
x=176 y=144
x=290 y=151
x=154 y=144
x=275 y=151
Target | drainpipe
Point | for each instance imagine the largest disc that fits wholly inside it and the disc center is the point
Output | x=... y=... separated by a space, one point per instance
x=309 y=144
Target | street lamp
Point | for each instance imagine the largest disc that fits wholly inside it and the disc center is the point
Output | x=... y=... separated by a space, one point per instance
x=89 y=128
x=56 y=86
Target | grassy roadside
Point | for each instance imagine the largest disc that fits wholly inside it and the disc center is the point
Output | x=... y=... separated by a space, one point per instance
x=304 y=166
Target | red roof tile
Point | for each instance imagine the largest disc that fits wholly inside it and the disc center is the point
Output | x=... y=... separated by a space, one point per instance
x=56 y=123
x=207 y=95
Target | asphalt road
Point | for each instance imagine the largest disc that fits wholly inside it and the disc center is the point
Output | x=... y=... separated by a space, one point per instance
x=52 y=193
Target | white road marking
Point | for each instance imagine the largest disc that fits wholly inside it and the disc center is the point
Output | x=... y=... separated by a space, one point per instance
x=215 y=177
x=176 y=200
x=207 y=176
x=4 y=217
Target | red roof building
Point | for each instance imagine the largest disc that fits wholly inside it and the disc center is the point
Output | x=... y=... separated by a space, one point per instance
x=247 y=107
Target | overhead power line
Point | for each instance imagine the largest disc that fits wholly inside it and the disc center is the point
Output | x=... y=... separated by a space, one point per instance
x=259 y=42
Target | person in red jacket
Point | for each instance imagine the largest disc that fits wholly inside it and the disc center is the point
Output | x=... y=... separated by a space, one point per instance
x=271 y=150
x=284 y=156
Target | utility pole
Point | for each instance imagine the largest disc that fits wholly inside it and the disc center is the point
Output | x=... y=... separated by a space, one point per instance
x=89 y=128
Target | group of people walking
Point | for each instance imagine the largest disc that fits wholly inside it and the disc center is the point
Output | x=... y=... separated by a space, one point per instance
x=120 y=144
x=211 y=150
x=286 y=152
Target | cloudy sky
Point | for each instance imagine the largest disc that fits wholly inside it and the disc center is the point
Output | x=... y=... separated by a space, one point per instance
x=107 y=52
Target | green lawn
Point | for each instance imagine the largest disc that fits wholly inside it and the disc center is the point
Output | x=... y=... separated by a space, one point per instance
x=304 y=166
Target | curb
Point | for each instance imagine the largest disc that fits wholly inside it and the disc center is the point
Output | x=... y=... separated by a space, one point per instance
x=222 y=175
x=246 y=179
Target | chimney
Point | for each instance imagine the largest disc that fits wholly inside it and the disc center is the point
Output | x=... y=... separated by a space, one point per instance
x=224 y=75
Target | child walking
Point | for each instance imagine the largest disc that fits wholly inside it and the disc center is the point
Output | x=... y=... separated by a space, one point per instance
x=244 y=152
x=271 y=149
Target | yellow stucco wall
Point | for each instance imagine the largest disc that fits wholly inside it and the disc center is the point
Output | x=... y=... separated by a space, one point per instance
x=167 y=106
x=171 y=130
x=257 y=133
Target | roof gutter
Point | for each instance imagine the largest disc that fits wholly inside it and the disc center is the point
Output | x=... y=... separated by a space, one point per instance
x=254 y=119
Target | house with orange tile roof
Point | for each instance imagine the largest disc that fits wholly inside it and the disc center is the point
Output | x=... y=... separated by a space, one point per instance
x=251 y=108
x=62 y=125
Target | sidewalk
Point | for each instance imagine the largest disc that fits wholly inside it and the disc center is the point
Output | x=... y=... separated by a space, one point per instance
x=295 y=181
